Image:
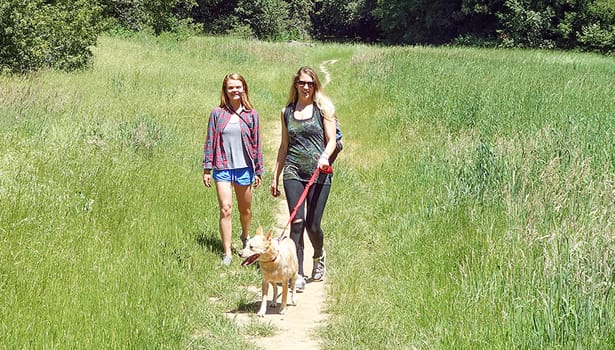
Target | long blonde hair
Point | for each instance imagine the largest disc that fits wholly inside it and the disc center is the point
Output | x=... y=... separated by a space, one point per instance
x=245 y=98
x=322 y=101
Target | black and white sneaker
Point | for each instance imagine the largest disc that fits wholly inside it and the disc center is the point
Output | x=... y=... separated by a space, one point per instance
x=320 y=269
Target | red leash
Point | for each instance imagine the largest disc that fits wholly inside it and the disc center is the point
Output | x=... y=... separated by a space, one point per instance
x=327 y=170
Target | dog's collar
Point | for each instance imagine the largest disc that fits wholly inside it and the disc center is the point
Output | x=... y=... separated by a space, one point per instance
x=280 y=239
x=275 y=257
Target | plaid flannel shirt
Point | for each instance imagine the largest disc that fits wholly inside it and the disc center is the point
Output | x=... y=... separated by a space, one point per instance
x=214 y=156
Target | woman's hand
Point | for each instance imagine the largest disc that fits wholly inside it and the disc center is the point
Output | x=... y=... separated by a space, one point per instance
x=274 y=189
x=207 y=179
x=257 y=181
x=323 y=161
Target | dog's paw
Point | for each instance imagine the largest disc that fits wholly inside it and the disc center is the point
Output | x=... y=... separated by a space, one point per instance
x=260 y=314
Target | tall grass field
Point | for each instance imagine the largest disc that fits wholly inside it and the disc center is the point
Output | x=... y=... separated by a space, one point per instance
x=473 y=205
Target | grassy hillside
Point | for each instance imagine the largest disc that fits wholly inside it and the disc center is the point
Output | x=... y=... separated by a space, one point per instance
x=473 y=204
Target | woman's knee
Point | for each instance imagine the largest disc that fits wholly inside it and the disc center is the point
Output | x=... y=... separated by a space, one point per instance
x=245 y=211
x=226 y=210
x=297 y=225
x=313 y=228
x=296 y=228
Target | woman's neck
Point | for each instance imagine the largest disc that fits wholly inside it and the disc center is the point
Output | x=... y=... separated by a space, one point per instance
x=303 y=102
x=235 y=105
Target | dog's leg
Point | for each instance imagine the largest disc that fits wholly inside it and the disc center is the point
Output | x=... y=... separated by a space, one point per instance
x=274 y=300
x=263 y=309
x=284 y=295
x=292 y=288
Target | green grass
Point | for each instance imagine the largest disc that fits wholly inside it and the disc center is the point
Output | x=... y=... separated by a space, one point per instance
x=488 y=208
x=472 y=206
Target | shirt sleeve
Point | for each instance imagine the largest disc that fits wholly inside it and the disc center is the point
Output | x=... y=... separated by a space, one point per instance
x=208 y=147
x=259 y=167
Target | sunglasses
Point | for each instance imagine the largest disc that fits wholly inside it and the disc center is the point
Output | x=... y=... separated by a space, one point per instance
x=303 y=83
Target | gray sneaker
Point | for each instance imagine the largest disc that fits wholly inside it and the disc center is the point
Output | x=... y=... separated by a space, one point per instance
x=226 y=260
x=320 y=269
x=300 y=284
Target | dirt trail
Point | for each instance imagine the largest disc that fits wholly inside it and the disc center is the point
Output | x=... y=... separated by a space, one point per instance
x=297 y=328
x=323 y=69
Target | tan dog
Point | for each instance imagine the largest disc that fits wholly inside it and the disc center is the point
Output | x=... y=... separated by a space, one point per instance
x=277 y=259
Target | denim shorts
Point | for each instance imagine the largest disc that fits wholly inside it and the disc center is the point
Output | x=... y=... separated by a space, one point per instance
x=243 y=176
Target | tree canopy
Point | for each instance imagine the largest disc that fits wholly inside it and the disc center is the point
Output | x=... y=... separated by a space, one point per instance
x=58 y=33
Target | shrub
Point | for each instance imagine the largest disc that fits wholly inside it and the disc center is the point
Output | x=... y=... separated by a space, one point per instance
x=35 y=34
x=598 y=34
x=267 y=18
x=524 y=26
x=595 y=38
x=138 y=15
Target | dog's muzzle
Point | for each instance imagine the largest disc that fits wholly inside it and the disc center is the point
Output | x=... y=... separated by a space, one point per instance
x=250 y=260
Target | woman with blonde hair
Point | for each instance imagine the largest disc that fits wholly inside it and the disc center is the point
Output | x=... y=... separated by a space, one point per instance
x=233 y=157
x=308 y=140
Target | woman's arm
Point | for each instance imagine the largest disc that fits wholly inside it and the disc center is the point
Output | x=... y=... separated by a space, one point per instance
x=329 y=126
x=208 y=150
x=279 y=162
x=257 y=144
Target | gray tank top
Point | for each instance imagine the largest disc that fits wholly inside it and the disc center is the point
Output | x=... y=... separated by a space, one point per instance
x=236 y=154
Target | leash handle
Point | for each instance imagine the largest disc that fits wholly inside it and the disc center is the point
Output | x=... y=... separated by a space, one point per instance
x=327 y=169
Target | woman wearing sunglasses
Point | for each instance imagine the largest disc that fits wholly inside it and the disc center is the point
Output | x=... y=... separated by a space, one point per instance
x=308 y=140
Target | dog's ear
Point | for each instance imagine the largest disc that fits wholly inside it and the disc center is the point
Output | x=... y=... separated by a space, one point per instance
x=259 y=231
x=269 y=234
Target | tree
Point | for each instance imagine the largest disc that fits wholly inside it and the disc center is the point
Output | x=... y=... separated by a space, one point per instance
x=341 y=19
x=525 y=24
x=136 y=15
x=419 y=21
x=217 y=16
x=567 y=24
x=299 y=22
x=480 y=18
x=36 y=34
x=268 y=19
x=598 y=32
